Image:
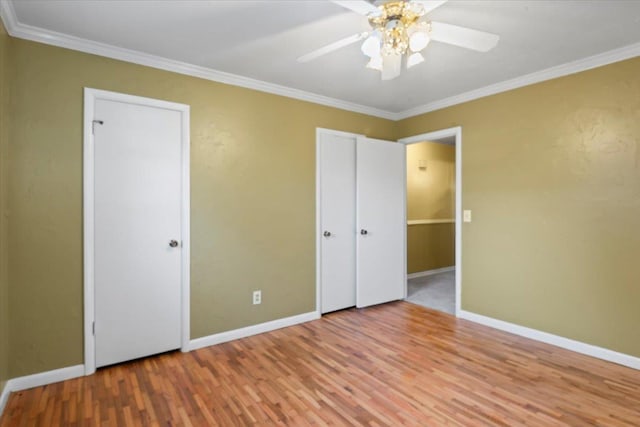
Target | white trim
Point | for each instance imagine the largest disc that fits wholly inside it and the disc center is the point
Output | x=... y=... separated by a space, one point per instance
x=431 y=272
x=599 y=60
x=252 y=330
x=458 y=250
x=322 y=131
x=431 y=136
x=44 y=378
x=8 y=15
x=319 y=131
x=4 y=397
x=54 y=38
x=337 y=133
x=90 y=97
x=405 y=294
x=431 y=221
x=87 y=218
x=37 y=380
x=558 y=341
x=185 y=224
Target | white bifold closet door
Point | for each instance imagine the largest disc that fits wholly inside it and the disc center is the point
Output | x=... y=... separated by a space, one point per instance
x=381 y=224
x=362 y=221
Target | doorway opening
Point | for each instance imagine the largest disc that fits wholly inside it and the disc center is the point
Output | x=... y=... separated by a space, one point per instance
x=433 y=228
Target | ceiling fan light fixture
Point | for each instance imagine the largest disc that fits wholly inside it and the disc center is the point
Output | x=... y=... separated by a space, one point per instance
x=414 y=59
x=375 y=63
x=371 y=45
x=400 y=30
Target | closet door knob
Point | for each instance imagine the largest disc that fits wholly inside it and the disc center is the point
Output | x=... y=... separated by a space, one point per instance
x=327 y=234
x=173 y=243
x=364 y=232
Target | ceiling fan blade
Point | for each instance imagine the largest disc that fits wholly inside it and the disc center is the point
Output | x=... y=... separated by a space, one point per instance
x=333 y=46
x=430 y=5
x=361 y=7
x=463 y=37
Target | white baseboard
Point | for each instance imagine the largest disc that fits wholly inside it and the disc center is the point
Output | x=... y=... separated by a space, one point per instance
x=44 y=378
x=39 y=379
x=558 y=341
x=251 y=330
x=430 y=272
x=50 y=377
x=4 y=397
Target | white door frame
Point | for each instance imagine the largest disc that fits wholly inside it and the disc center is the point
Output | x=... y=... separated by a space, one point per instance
x=322 y=131
x=430 y=136
x=90 y=97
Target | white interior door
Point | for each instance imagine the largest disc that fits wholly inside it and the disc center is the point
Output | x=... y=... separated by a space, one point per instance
x=381 y=270
x=137 y=215
x=337 y=162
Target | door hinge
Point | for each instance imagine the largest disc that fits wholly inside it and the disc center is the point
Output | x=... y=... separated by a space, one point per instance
x=93 y=327
x=93 y=125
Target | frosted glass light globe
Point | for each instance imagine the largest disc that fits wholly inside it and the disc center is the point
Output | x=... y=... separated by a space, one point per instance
x=418 y=40
x=371 y=45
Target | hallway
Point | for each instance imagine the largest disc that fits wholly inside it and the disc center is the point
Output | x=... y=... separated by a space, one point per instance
x=436 y=291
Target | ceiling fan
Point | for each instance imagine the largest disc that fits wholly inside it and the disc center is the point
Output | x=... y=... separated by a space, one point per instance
x=400 y=28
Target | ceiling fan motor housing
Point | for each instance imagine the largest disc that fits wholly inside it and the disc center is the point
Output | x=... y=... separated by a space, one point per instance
x=392 y=22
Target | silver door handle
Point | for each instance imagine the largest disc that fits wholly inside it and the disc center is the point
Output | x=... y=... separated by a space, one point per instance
x=173 y=243
x=327 y=234
x=364 y=232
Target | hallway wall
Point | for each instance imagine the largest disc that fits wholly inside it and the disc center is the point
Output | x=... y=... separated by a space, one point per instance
x=430 y=196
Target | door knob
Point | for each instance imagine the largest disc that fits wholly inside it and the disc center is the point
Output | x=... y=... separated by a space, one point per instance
x=364 y=232
x=173 y=243
x=327 y=234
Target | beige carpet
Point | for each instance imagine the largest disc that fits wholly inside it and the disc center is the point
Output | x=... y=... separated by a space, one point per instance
x=437 y=291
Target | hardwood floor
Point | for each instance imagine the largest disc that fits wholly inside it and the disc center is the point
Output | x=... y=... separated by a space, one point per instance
x=394 y=364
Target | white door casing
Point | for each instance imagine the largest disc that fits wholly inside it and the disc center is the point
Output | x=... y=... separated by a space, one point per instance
x=337 y=200
x=455 y=132
x=381 y=221
x=136 y=202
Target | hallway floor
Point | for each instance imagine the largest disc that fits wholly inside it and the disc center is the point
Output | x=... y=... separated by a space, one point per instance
x=437 y=291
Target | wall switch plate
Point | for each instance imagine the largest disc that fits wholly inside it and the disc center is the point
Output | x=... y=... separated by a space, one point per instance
x=466 y=216
x=257 y=297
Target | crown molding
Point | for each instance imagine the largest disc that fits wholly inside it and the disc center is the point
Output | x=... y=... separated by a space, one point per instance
x=8 y=15
x=28 y=32
x=605 y=58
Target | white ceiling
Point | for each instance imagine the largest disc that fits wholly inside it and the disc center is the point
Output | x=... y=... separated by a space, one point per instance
x=262 y=39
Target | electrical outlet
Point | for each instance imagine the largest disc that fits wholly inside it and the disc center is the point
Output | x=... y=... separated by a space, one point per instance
x=257 y=297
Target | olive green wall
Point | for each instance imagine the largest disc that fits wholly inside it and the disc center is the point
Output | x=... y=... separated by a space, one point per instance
x=430 y=246
x=252 y=198
x=430 y=195
x=4 y=134
x=552 y=174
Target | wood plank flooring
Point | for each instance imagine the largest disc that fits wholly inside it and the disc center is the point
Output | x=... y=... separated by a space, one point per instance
x=389 y=365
